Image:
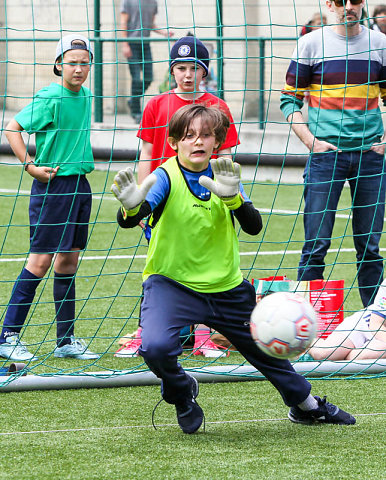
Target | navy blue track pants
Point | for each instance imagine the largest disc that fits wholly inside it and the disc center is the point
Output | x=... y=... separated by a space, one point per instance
x=168 y=306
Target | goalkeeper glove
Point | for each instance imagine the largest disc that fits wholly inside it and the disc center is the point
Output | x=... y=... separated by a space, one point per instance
x=227 y=182
x=131 y=195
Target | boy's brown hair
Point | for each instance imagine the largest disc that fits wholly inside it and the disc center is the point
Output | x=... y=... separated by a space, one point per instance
x=212 y=118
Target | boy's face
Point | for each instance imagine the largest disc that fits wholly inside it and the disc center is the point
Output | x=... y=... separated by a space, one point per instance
x=75 y=68
x=194 y=151
x=188 y=76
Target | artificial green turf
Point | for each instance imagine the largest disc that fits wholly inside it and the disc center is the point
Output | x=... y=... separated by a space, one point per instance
x=108 y=292
x=109 y=289
x=247 y=435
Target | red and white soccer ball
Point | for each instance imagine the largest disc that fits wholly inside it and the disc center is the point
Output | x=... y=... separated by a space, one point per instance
x=283 y=324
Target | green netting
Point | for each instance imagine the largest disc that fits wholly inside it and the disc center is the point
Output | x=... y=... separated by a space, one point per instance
x=251 y=45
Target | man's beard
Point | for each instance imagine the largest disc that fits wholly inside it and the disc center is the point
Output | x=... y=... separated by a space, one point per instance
x=344 y=19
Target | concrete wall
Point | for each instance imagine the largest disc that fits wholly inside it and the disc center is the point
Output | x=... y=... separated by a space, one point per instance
x=28 y=64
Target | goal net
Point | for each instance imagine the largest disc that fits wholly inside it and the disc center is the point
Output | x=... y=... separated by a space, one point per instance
x=251 y=45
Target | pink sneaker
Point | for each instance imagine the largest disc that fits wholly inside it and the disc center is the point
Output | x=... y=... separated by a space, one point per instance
x=203 y=345
x=130 y=348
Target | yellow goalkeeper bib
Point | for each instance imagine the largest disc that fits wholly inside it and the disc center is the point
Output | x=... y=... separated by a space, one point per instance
x=194 y=241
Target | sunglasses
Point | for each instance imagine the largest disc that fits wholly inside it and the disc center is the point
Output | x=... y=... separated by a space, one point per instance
x=341 y=3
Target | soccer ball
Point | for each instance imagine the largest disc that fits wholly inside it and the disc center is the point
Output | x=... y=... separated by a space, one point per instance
x=283 y=324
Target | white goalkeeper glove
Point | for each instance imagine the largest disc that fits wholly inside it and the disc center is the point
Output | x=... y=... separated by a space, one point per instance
x=227 y=182
x=131 y=195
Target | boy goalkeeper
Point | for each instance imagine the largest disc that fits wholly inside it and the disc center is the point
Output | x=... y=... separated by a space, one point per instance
x=60 y=202
x=192 y=269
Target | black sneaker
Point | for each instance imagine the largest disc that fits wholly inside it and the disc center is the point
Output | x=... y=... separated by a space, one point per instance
x=325 y=413
x=189 y=414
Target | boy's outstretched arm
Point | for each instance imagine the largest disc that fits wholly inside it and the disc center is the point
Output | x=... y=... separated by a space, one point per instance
x=227 y=187
x=13 y=134
x=249 y=218
x=132 y=197
x=124 y=221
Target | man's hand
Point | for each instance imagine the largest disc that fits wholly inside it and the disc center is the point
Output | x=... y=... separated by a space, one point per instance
x=127 y=191
x=320 y=146
x=126 y=50
x=164 y=32
x=378 y=148
x=300 y=127
x=227 y=182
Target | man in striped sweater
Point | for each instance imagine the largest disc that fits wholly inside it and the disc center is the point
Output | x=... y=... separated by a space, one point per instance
x=343 y=67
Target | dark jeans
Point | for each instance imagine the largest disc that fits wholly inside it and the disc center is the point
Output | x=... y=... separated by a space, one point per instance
x=140 y=61
x=324 y=177
x=168 y=306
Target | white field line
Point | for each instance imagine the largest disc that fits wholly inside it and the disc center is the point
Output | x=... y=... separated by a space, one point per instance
x=242 y=254
x=99 y=257
x=109 y=196
x=127 y=427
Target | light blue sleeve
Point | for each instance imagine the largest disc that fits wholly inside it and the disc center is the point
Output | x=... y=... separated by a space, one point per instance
x=243 y=194
x=159 y=190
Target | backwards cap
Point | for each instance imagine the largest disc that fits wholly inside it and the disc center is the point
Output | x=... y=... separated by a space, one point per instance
x=67 y=43
x=190 y=49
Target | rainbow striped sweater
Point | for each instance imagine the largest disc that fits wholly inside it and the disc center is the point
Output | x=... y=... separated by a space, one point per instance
x=345 y=76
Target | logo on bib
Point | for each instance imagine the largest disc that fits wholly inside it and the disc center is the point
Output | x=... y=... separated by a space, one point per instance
x=197 y=205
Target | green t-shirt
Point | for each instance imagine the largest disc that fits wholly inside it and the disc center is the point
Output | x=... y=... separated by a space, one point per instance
x=60 y=120
x=194 y=241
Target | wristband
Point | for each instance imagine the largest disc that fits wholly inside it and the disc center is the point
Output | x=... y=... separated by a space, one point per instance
x=27 y=165
x=130 y=213
x=233 y=203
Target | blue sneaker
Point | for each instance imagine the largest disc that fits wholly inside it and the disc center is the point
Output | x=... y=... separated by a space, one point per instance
x=13 y=349
x=189 y=414
x=76 y=349
x=325 y=413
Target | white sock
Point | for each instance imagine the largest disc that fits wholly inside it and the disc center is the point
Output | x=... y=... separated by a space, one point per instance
x=309 y=403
